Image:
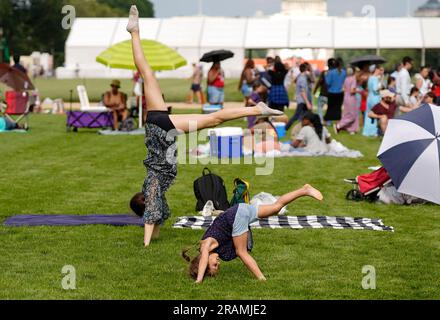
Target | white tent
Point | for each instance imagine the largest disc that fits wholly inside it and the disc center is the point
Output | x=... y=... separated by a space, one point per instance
x=193 y=36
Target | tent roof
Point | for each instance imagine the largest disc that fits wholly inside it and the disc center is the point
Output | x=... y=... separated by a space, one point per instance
x=264 y=33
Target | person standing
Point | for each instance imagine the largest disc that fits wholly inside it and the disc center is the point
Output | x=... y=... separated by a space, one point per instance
x=17 y=65
x=350 y=117
x=278 y=98
x=247 y=80
x=216 y=85
x=322 y=87
x=335 y=81
x=423 y=83
x=374 y=87
x=396 y=72
x=404 y=84
x=291 y=75
x=436 y=85
x=303 y=96
x=196 y=85
x=361 y=97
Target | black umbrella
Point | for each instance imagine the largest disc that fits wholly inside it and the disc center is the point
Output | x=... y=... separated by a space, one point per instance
x=370 y=59
x=217 y=55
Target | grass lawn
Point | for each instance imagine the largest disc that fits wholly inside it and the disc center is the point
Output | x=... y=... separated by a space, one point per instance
x=49 y=171
x=175 y=90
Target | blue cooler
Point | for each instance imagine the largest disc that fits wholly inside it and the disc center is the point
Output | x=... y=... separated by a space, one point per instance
x=281 y=129
x=211 y=108
x=226 y=142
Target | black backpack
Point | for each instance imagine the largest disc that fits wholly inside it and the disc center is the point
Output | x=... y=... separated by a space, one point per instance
x=128 y=125
x=210 y=187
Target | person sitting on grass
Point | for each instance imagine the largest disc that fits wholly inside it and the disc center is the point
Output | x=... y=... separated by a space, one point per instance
x=429 y=98
x=161 y=135
x=384 y=110
x=7 y=124
x=116 y=101
x=259 y=94
x=265 y=136
x=313 y=137
x=415 y=101
x=228 y=236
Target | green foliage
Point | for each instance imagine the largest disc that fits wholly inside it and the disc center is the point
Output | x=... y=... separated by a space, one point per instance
x=36 y=25
x=93 y=8
x=394 y=56
x=145 y=8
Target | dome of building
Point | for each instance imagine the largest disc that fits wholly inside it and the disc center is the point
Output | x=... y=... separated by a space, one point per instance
x=429 y=9
x=431 y=5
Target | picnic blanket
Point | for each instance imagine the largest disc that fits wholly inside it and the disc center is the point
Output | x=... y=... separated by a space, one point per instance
x=292 y=222
x=137 y=132
x=13 y=131
x=73 y=220
x=335 y=149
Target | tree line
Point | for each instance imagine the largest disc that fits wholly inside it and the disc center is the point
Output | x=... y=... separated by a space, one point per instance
x=35 y=25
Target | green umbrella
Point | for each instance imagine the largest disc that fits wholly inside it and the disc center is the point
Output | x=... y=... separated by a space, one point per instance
x=159 y=56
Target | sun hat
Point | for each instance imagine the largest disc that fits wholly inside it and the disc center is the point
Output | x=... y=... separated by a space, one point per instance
x=116 y=83
x=387 y=94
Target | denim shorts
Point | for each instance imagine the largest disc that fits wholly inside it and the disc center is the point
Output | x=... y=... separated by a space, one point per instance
x=246 y=214
x=216 y=95
x=246 y=90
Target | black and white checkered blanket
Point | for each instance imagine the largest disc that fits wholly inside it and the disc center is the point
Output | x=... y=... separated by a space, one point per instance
x=291 y=222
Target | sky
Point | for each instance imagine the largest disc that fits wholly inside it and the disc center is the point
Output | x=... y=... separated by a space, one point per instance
x=233 y=8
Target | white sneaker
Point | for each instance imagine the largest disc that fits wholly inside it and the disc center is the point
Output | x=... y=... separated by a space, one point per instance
x=266 y=111
x=208 y=209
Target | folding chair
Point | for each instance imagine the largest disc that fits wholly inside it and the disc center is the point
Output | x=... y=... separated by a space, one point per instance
x=18 y=106
x=85 y=103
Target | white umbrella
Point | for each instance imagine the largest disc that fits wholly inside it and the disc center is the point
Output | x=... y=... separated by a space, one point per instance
x=410 y=152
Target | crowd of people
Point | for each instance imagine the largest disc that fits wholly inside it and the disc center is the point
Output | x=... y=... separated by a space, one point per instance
x=359 y=99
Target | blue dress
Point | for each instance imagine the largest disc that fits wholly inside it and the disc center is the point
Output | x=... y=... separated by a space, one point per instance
x=370 y=125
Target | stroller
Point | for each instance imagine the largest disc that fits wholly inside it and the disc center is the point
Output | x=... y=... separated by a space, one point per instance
x=366 y=187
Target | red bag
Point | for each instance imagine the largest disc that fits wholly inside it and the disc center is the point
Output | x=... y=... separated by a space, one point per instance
x=374 y=181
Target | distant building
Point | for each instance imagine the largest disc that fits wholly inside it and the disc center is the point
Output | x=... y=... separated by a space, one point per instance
x=429 y=9
x=304 y=8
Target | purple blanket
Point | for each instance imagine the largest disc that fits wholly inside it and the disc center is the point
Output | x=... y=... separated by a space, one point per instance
x=73 y=220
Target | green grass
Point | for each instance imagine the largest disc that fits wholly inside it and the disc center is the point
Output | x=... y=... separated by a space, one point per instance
x=49 y=171
x=175 y=90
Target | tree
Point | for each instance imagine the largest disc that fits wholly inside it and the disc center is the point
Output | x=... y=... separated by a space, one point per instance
x=35 y=25
x=145 y=7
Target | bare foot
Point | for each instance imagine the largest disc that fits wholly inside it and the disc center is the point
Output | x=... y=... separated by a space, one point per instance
x=266 y=111
x=133 y=20
x=312 y=192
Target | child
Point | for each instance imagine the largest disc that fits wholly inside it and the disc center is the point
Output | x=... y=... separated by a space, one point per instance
x=259 y=94
x=227 y=238
x=161 y=129
x=313 y=136
x=414 y=101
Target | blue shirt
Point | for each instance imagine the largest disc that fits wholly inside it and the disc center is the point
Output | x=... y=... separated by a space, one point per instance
x=302 y=85
x=335 y=80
